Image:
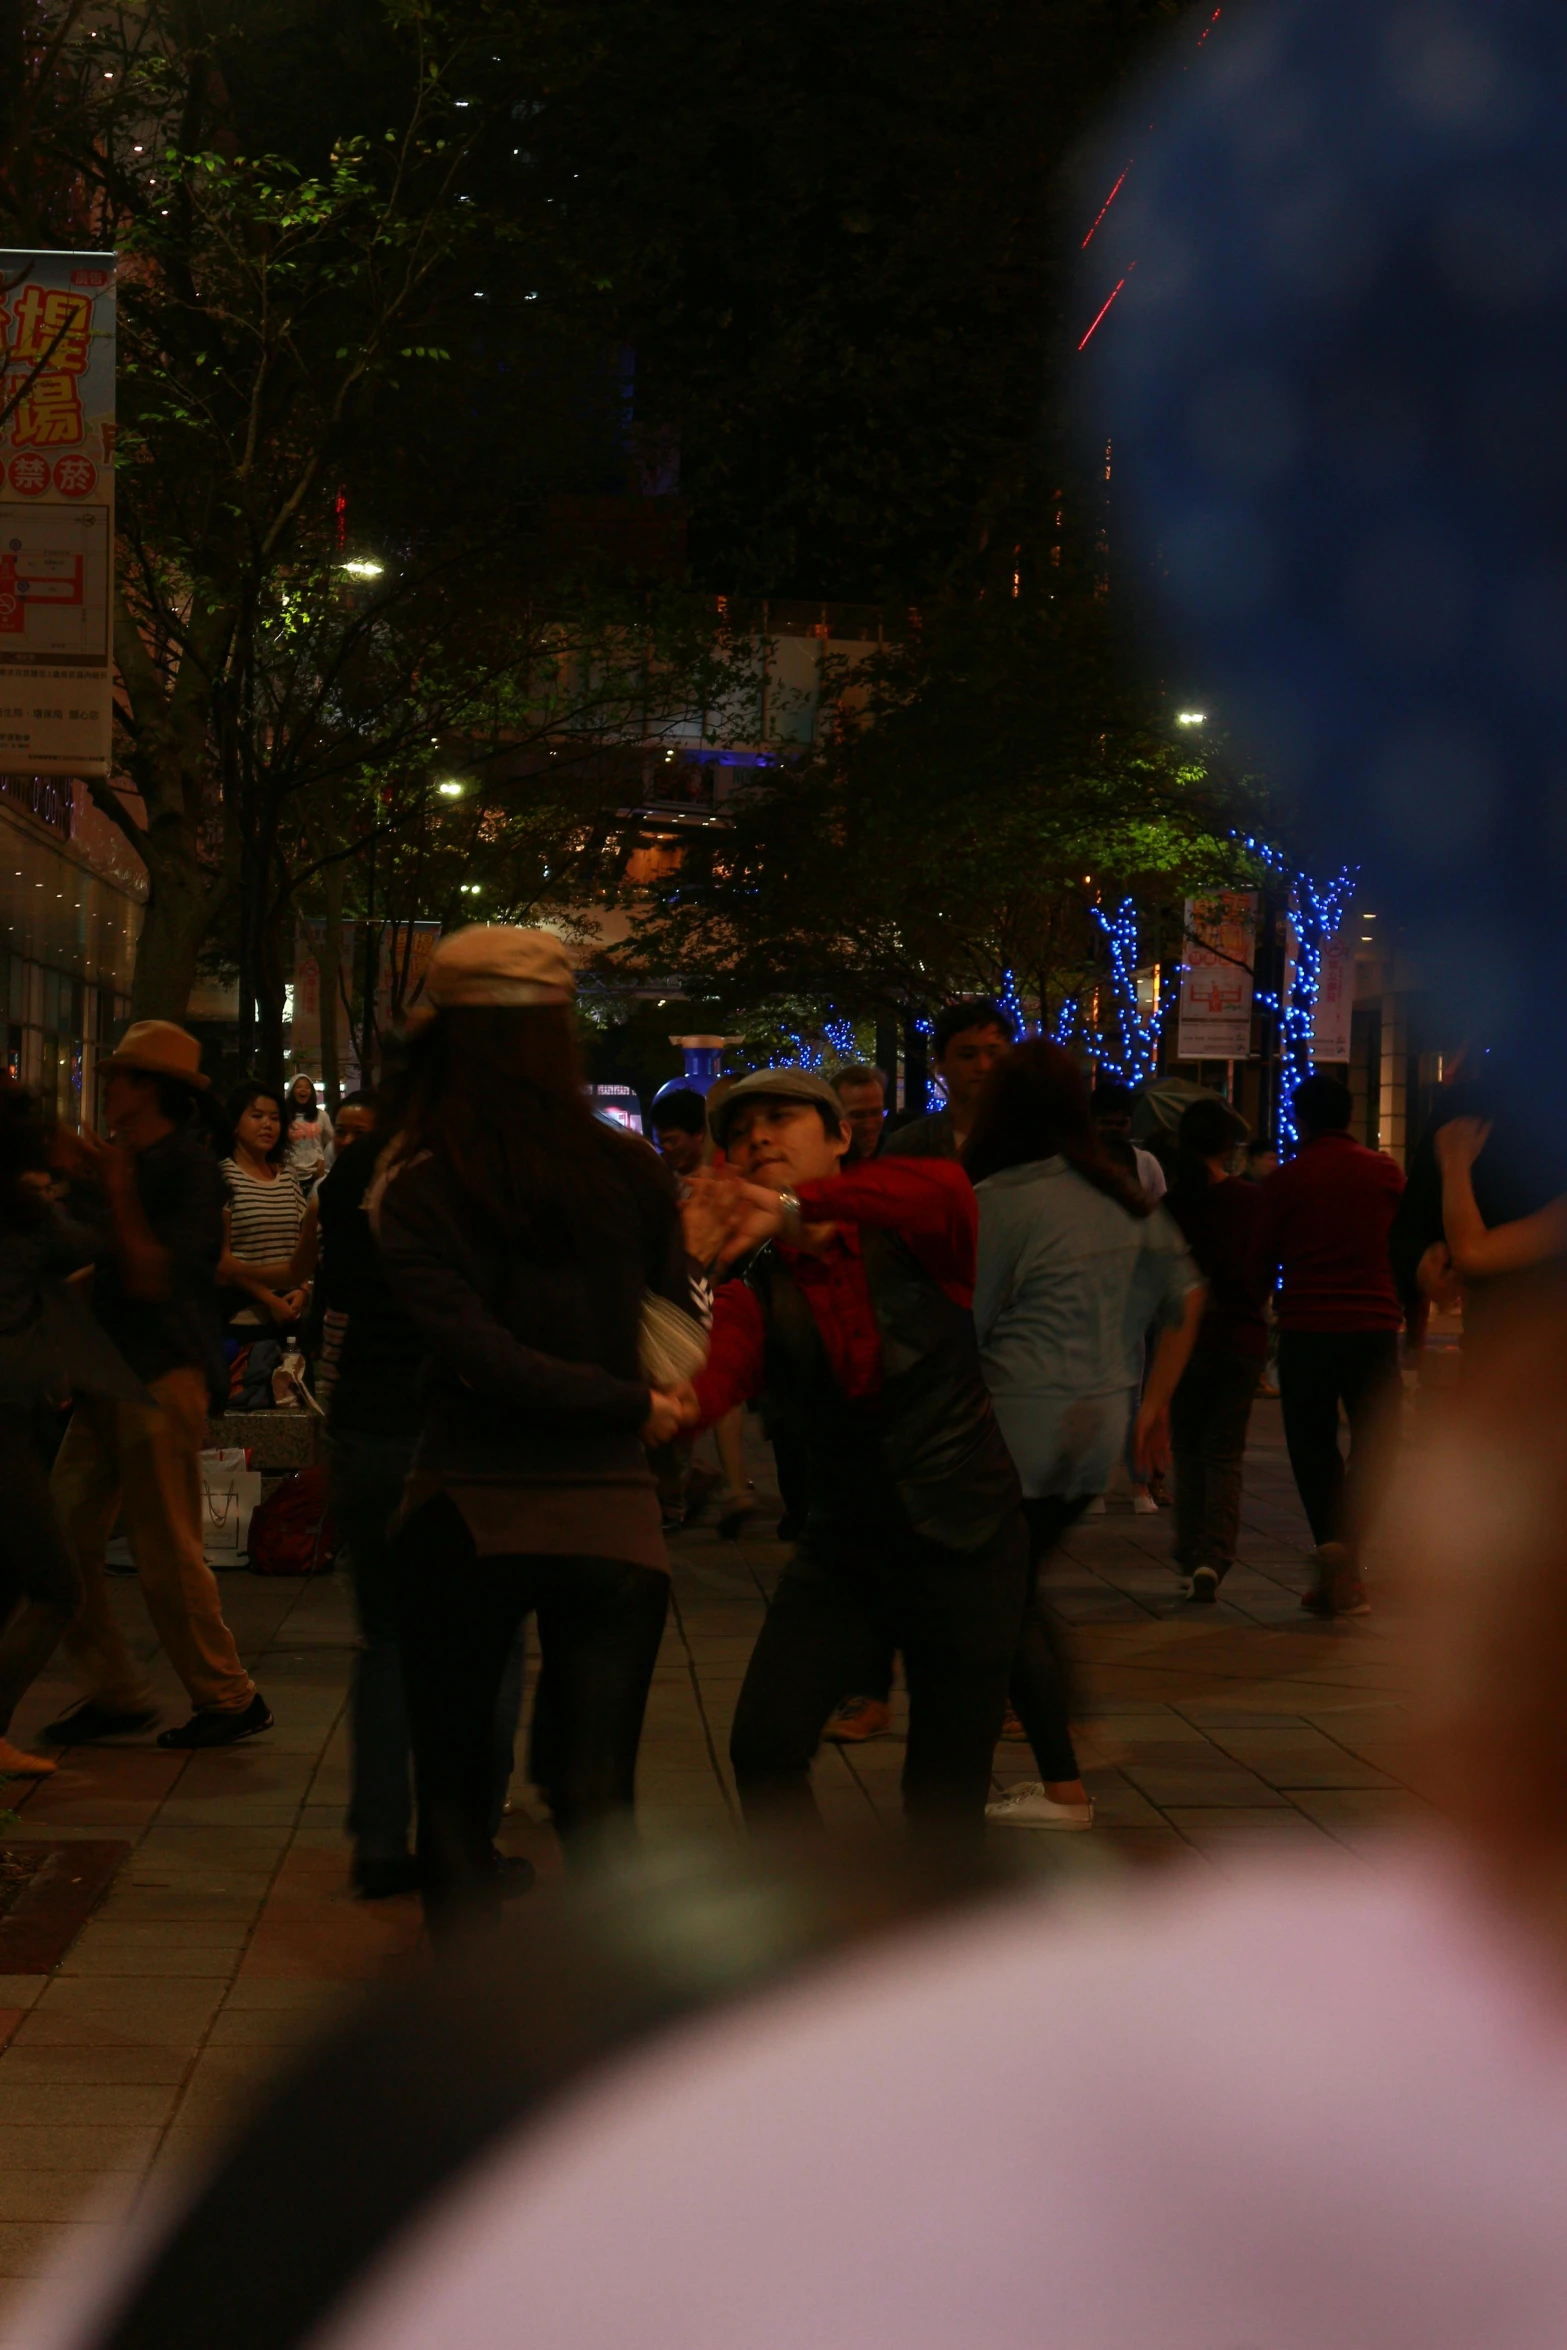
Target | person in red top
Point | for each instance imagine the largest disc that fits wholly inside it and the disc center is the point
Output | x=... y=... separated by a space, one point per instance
x=1324 y=1222
x=854 y=1313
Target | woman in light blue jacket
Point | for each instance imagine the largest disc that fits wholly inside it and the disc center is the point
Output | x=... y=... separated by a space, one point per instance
x=1075 y=1262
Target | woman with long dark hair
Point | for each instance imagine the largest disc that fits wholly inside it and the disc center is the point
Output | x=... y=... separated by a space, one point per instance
x=269 y=1240
x=1075 y=1262
x=1211 y=1408
x=311 y=1142
x=522 y=1235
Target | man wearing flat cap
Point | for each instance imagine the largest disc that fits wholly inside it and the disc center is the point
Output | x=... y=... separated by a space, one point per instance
x=854 y=1314
x=154 y=1291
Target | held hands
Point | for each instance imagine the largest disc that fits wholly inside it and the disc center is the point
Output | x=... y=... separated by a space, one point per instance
x=669 y=1410
x=1438 y=1278
x=1459 y=1143
x=725 y=1217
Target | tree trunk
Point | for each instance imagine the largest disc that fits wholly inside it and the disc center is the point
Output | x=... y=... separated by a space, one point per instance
x=329 y=985
x=181 y=904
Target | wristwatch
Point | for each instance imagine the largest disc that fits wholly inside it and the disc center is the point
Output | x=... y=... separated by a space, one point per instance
x=793 y=1217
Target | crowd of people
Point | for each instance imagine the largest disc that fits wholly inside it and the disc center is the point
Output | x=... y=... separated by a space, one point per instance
x=959 y=1329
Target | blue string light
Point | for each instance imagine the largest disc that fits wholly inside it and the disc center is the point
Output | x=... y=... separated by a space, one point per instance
x=1315 y=913
x=1131 y=1057
x=840 y=1035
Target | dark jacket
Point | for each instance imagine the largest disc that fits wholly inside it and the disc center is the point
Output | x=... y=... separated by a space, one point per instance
x=926 y=1450
x=533 y=1373
x=50 y=1346
x=182 y=1196
x=1219 y=1226
x=930 y=1137
x=378 y=1390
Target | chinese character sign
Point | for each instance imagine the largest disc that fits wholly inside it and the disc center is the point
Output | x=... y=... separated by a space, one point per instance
x=56 y=512
x=1330 y=1027
x=1216 y=984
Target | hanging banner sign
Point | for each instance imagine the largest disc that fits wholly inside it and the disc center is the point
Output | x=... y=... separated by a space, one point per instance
x=1216 y=984
x=56 y=512
x=1330 y=1026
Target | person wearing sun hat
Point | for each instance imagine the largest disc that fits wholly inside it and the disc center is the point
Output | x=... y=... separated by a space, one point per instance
x=522 y=1236
x=154 y=1292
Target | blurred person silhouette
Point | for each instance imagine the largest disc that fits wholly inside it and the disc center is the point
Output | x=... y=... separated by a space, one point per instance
x=1112 y=1107
x=1167 y=2028
x=969 y=1038
x=1076 y=1263
x=1324 y=1223
x=520 y=1235
x=154 y=1293
x=679 y=1121
x=50 y=1348
x=1211 y=1408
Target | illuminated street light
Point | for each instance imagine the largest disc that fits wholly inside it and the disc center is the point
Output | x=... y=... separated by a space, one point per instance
x=1191 y=717
x=450 y=791
x=362 y=570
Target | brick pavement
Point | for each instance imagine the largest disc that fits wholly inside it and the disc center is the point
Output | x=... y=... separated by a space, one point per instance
x=230 y=1934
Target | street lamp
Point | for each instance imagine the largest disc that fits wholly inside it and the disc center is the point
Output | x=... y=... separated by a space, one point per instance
x=362 y=569
x=450 y=791
x=1191 y=717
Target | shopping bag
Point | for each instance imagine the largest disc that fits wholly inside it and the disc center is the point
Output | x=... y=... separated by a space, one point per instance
x=230 y=1492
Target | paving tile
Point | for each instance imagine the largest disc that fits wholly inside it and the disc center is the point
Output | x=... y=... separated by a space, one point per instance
x=33 y=2195
x=21 y=1990
x=75 y=2146
x=28 y=2248
x=122 y=2102
x=90 y=2065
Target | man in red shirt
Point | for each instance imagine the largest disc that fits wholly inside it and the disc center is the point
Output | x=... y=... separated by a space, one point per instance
x=854 y=1313
x=1324 y=1222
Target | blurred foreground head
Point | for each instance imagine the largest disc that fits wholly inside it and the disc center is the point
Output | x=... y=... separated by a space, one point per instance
x=1307 y=2103
x=1333 y=377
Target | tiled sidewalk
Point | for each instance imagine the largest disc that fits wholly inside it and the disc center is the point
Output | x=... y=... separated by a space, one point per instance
x=230 y=1932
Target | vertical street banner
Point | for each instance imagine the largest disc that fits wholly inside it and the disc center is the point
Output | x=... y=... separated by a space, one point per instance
x=1335 y=1005
x=56 y=512
x=1217 y=979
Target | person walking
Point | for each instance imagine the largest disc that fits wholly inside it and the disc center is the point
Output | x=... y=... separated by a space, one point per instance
x=520 y=1235
x=269 y=1243
x=968 y=1040
x=154 y=1295
x=1211 y=1408
x=310 y=1141
x=49 y=1347
x=1075 y=1263
x=1323 y=1224
x=855 y=1312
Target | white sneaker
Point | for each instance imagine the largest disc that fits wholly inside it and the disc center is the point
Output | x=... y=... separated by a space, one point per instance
x=1096 y=1508
x=1029 y=1806
x=1144 y=1506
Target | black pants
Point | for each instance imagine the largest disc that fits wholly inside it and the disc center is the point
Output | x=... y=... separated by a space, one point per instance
x=1319 y=1369
x=852 y=1594
x=600 y=1622
x=1209 y=1413
x=37 y=1569
x=1041 y=1682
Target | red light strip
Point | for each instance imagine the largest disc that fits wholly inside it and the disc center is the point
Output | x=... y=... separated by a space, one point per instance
x=1098 y=322
x=1104 y=208
x=1208 y=27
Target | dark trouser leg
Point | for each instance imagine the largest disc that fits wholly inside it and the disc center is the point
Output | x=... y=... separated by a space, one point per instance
x=36 y=1568
x=459 y=1618
x=1373 y=1390
x=958 y=1618
x=1309 y=1366
x=1208 y=1420
x=1041 y=1680
x=508 y=1712
x=792 y=1466
x=600 y=1623
x=826 y=1616
x=367 y=1474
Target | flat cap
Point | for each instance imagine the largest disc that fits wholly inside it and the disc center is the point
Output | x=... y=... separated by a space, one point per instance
x=493 y=963
x=779 y=1085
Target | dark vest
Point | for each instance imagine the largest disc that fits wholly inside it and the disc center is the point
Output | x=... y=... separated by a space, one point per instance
x=927 y=1448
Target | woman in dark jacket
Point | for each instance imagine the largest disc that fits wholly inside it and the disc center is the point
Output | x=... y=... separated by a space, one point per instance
x=50 y=1347
x=521 y=1237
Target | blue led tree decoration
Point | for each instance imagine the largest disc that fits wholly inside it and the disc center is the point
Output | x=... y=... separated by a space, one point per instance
x=1316 y=914
x=1129 y=1054
x=840 y=1035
